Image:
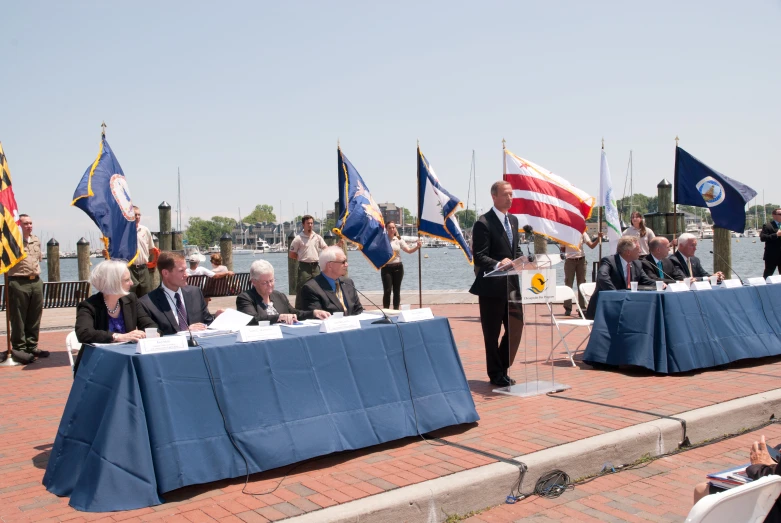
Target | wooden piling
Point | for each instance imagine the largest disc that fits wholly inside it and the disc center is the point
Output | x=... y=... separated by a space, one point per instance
x=82 y=254
x=164 y=238
x=226 y=250
x=53 y=260
x=292 y=266
x=722 y=251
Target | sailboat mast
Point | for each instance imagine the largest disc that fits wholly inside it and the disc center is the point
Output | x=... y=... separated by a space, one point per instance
x=178 y=200
x=631 y=187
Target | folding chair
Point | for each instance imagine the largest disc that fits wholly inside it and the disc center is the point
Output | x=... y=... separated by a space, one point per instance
x=587 y=291
x=564 y=293
x=72 y=344
x=750 y=503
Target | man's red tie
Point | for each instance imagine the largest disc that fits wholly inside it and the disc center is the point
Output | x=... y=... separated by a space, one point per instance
x=628 y=275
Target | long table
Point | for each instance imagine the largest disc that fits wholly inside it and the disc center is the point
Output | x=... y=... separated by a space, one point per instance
x=137 y=426
x=677 y=332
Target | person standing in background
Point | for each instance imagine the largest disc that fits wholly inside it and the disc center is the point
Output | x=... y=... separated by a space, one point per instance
x=640 y=231
x=771 y=237
x=25 y=298
x=306 y=248
x=575 y=268
x=393 y=271
x=138 y=269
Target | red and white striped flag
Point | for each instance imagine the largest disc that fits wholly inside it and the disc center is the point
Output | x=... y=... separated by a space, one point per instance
x=550 y=204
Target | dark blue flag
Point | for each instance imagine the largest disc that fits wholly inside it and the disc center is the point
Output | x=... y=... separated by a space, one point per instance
x=698 y=185
x=360 y=219
x=437 y=208
x=104 y=195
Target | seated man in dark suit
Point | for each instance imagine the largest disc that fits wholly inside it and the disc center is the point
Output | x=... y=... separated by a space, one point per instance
x=174 y=305
x=656 y=264
x=330 y=290
x=263 y=303
x=687 y=262
x=613 y=271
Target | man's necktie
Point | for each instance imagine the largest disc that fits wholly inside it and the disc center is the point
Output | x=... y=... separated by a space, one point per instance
x=689 y=265
x=661 y=272
x=628 y=275
x=508 y=230
x=340 y=296
x=181 y=313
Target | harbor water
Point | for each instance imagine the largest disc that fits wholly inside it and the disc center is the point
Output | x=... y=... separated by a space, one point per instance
x=447 y=269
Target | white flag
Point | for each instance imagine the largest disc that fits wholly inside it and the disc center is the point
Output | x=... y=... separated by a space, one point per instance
x=607 y=200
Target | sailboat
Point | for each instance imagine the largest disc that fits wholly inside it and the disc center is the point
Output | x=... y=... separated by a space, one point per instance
x=754 y=231
x=243 y=249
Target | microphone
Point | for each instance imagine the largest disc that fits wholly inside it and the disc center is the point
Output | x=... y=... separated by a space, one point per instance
x=730 y=268
x=529 y=231
x=191 y=342
x=384 y=320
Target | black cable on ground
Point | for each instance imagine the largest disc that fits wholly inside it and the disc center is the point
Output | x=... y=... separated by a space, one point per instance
x=553 y=484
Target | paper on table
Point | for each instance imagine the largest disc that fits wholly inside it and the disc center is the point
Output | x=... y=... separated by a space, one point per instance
x=230 y=320
x=369 y=315
x=302 y=323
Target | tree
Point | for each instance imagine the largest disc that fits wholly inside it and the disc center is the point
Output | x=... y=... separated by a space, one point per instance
x=408 y=218
x=208 y=232
x=466 y=218
x=261 y=213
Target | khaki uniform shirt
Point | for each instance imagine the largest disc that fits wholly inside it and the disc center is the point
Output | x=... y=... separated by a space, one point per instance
x=145 y=245
x=569 y=252
x=30 y=266
x=308 y=247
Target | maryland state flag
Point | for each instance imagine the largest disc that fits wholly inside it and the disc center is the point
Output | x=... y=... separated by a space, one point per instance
x=11 y=244
x=104 y=195
x=437 y=208
x=360 y=219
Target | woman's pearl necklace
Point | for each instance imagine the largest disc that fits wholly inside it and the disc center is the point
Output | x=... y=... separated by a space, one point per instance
x=110 y=310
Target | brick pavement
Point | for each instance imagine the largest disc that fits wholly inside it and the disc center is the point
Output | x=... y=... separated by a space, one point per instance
x=659 y=491
x=35 y=396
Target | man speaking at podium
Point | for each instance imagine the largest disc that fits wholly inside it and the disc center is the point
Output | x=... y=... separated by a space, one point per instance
x=495 y=243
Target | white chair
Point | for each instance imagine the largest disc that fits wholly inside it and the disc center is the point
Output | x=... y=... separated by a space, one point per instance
x=587 y=290
x=564 y=293
x=747 y=503
x=72 y=344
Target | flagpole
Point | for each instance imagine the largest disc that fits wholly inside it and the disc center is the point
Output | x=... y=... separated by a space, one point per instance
x=675 y=194
x=600 y=209
x=420 y=256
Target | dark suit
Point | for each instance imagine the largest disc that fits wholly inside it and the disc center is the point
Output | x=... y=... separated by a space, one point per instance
x=318 y=294
x=611 y=277
x=250 y=302
x=491 y=246
x=772 y=254
x=680 y=263
x=652 y=270
x=158 y=307
x=92 y=320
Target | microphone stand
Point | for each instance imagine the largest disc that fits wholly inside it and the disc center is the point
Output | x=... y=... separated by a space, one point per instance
x=385 y=320
x=728 y=265
x=529 y=232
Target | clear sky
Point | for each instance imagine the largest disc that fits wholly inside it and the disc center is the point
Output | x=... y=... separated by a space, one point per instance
x=249 y=98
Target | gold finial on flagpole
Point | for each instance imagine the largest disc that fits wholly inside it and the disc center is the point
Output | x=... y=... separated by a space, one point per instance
x=418 y=143
x=676 y=140
x=338 y=144
x=103 y=129
x=503 y=142
x=603 y=144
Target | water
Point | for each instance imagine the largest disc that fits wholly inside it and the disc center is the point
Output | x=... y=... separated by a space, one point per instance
x=447 y=269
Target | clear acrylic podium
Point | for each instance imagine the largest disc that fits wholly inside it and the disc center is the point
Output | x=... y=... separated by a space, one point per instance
x=529 y=285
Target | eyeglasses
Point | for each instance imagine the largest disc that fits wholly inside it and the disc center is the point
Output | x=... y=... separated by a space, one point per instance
x=342 y=262
x=266 y=282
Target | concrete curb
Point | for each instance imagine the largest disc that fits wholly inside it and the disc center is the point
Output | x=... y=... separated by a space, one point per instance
x=432 y=501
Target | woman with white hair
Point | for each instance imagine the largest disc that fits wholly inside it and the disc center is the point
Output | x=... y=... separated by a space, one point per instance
x=263 y=303
x=112 y=314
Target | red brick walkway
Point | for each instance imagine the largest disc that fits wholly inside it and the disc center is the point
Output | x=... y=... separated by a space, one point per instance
x=509 y=426
x=659 y=491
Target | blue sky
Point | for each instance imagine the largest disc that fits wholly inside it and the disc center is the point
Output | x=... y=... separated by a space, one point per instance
x=248 y=99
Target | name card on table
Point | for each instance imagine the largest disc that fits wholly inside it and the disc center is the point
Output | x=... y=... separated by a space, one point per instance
x=259 y=333
x=164 y=344
x=775 y=278
x=731 y=284
x=754 y=282
x=416 y=315
x=346 y=323
x=701 y=286
x=678 y=286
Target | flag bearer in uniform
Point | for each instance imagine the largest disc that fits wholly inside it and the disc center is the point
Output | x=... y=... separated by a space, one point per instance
x=25 y=297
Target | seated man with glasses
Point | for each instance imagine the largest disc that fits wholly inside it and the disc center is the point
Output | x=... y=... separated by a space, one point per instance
x=330 y=290
x=263 y=303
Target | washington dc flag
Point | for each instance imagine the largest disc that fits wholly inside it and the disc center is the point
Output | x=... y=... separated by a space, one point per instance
x=550 y=204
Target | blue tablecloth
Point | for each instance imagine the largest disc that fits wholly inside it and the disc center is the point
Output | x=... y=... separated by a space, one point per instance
x=136 y=426
x=677 y=332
